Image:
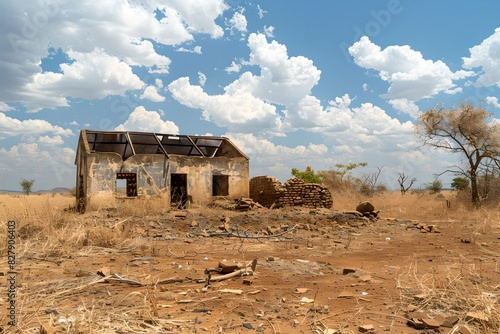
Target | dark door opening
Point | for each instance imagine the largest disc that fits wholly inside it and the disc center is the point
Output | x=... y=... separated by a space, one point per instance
x=126 y=184
x=220 y=185
x=178 y=190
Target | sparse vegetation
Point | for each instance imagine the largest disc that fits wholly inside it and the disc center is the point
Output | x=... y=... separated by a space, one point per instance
x=60 y=253
x=435 y=186
x=339 y=178
x=27 y=185
x=402 y=178
x=469 y=132
x=460 y=183
x=308 y=175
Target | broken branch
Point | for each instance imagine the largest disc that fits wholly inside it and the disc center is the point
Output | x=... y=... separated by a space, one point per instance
x=117 y=278
x=237 y=235
x=237 y=273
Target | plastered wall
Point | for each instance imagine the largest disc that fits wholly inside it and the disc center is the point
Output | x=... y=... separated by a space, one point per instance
x=154 y=171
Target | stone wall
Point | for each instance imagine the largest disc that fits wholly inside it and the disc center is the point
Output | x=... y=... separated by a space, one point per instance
x=268 y=191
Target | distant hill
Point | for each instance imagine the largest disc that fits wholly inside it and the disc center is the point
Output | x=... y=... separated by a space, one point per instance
x=52 y=191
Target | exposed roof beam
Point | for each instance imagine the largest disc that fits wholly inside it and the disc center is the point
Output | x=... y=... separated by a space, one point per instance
x=195 y=146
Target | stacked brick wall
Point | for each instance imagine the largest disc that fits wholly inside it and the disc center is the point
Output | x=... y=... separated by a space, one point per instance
x=269 y=191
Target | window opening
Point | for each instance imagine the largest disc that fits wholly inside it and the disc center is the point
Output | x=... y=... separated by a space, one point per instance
x=126 y=184
x=220 y=185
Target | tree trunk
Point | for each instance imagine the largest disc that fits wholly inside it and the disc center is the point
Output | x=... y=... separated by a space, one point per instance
x=473 y=188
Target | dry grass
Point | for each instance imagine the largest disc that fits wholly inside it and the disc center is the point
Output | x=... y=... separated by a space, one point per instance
x=458 y=290
x=48 y=232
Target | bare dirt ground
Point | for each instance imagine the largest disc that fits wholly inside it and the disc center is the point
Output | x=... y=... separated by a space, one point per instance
x=123 y=269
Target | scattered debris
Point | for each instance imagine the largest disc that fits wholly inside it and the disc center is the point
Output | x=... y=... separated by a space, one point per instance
x=231 y=270
x=245 y=204
x=421 y=320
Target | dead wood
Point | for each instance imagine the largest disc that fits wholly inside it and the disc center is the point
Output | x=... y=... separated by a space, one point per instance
x=174 y=280
x=35 y=258
x=247 y=270
x=237 y=234
x=237 y=273
x=119 y=279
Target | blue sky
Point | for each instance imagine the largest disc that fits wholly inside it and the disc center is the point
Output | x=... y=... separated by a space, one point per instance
x=292 y=83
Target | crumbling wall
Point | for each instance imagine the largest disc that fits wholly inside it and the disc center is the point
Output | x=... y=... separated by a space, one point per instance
x=200 y=171
x=268 y=191
x=154 y=171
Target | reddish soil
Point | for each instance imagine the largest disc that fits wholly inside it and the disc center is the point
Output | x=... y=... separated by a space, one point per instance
x=319 y=275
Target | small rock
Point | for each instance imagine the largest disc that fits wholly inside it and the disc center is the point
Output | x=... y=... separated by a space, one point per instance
x=453 y=319
x=366 y=328
x=348 y=271
x=417 y=323
x=431 y=323
x=365 y=278
x=418 y=315
x=365 y=207
x=345 y=294
x=443 y=321
x=248 y=326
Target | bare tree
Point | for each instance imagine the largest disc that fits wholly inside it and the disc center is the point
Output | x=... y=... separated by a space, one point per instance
x=402 y=179
x=370 y=181
x=467 y=132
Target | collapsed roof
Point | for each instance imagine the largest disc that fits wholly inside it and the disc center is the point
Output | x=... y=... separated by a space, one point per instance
x=127 y=144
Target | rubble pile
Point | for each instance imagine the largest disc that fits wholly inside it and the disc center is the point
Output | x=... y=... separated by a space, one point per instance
x=269 y=192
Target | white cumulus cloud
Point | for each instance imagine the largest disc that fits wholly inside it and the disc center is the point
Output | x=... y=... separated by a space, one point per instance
x=202 y=78
x=147 y=121
x=492 y=100
x=51 y=141
x=10 y=127
x=238 y=22
x=5 y=107
x=150 y=93
x=100 y=59
x=406 y=106
x=238 y=111
x=487 y=57
x=91 y=75
x=409 y=74
x=233 y=68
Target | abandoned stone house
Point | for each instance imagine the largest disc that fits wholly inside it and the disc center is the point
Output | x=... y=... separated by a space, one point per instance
x=177 y=167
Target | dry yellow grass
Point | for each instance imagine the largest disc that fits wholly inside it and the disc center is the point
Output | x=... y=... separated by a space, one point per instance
x=48 y=229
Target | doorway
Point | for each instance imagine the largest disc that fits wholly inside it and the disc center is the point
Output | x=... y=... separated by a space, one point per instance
x=178 y=190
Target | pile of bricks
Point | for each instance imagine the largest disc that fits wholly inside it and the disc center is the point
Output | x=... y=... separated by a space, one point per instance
x=269 y=192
